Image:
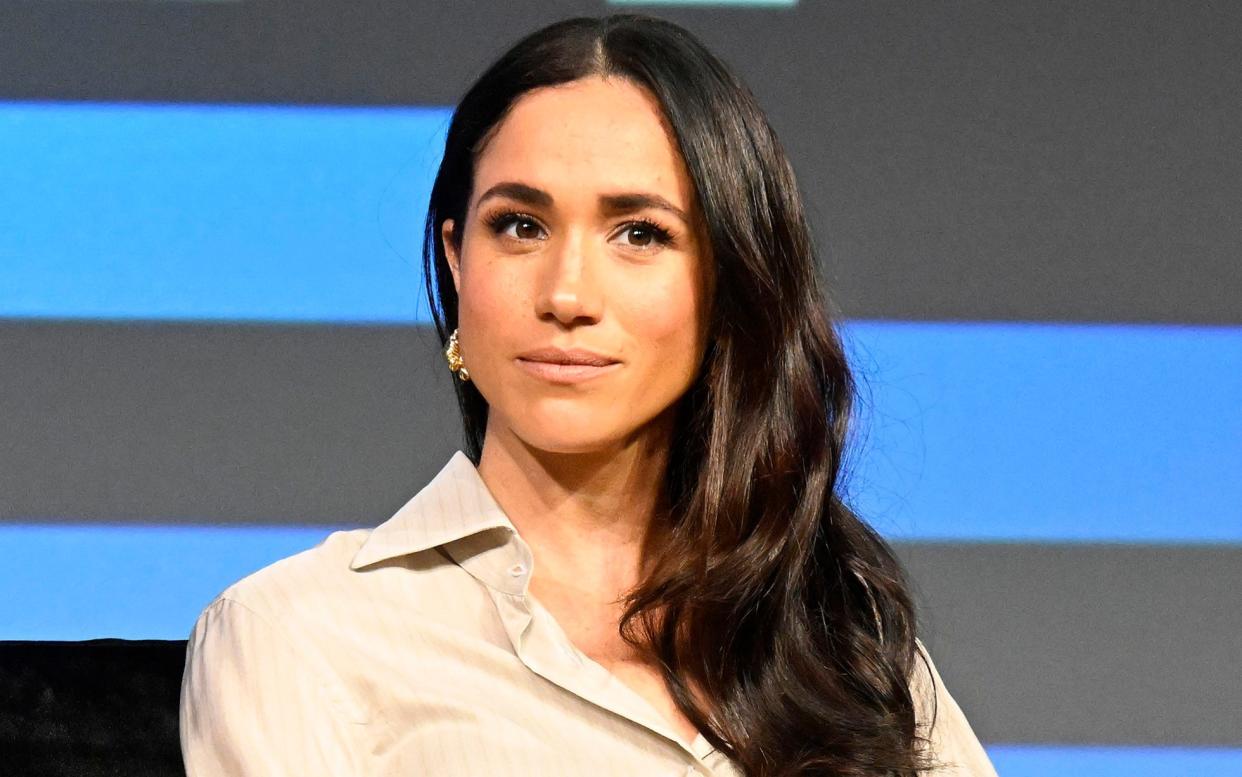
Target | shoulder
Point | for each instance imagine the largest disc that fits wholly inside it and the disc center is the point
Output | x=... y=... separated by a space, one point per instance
x=262 y=681
x=301 y=583
x=317 y=599
x=295 y=619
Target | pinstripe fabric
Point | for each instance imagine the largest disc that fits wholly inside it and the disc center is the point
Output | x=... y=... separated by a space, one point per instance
x=414 y=648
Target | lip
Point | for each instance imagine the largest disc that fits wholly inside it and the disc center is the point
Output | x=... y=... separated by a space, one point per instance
x=566 y=365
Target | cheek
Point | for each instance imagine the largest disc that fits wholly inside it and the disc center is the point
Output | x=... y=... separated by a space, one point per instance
x=487 y=297
x=490 y=300
x=663 y=318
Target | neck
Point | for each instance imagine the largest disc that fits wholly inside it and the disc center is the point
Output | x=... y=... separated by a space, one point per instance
x=586 y=515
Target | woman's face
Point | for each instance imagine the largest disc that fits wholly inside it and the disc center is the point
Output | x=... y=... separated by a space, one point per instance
x=581 y=239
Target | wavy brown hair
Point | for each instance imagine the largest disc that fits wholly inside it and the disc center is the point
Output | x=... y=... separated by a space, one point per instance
x=782 y=622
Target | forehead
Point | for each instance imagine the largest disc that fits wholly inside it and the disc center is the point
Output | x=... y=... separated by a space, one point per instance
x=585 y=137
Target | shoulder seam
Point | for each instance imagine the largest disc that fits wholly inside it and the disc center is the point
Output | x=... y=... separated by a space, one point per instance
x=328 y=683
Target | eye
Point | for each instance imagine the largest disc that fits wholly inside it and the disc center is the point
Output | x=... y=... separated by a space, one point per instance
x=526 y=226
x=646 y=234
x=642 y=233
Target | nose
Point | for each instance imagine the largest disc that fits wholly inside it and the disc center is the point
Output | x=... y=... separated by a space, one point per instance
x=568 y=290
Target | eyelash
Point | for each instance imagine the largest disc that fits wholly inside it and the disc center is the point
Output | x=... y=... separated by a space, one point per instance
x=502 y=219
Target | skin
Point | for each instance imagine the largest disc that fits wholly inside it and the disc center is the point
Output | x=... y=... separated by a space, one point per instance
x=578 y=467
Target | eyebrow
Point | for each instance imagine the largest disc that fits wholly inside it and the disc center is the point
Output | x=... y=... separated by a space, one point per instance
x=611 y=204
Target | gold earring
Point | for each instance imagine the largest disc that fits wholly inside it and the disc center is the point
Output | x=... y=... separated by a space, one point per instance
x=453 y=354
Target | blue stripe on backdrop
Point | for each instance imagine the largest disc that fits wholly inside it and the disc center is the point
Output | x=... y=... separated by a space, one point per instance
x=214 y=211
x=133 y=582
x=1010 y=431
x=1062 y=761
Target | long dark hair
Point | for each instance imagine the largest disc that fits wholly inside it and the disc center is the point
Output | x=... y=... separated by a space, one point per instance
x=782 y=622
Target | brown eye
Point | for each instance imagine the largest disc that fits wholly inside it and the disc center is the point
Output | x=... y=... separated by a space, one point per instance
x=644 y=236
x=526 y=229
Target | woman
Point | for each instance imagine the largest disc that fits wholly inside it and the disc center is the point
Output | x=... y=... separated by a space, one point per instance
x=641 y=564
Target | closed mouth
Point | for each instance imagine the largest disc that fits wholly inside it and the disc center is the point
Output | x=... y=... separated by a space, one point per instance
x=568 y=357
x=565 y=372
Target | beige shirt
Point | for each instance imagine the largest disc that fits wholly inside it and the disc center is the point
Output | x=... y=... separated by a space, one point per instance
x=414 y=649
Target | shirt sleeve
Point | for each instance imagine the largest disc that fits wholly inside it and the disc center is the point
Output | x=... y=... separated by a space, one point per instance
x=955 y=749
x=252 y=704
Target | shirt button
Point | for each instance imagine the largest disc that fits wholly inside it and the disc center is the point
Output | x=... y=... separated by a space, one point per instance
x=517 y=570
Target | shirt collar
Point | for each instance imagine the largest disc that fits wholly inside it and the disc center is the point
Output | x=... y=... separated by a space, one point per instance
x=455 y=505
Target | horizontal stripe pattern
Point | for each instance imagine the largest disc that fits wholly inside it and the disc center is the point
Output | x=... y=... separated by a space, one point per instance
x=1017 y=161
x=1014 y=161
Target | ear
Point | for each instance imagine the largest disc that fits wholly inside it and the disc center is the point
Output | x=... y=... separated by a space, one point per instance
x=450 y=252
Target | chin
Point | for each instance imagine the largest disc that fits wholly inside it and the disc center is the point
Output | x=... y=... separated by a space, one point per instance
x=586 y=428
x=566 y=440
